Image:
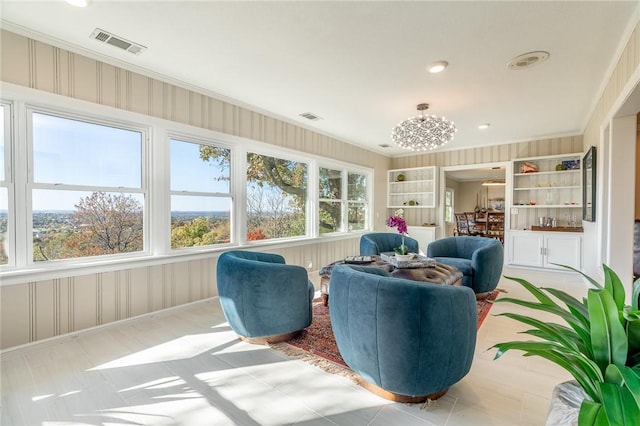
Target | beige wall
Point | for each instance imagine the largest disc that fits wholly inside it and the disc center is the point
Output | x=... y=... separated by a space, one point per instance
x=637 y=189
x=488 y=154
x=36 y=310
x=32 y=311
x=602 y=235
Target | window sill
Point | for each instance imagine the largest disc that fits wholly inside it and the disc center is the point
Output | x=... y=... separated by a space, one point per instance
x=48 y=271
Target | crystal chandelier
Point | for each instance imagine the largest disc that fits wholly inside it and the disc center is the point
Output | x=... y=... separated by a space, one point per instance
x=423 y=132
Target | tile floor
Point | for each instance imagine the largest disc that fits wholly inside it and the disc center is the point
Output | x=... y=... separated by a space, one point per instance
x=186 y=367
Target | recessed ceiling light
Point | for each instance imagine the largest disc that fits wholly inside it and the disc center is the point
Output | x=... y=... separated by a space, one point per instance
x=437 y=67
x=78 y=3
x=484 y=126
x=527 y=60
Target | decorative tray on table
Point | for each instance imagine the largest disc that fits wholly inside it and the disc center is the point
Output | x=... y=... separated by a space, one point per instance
x=357 y=260
x=418 y=261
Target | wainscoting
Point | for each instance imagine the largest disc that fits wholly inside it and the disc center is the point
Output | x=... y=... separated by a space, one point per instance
x=39 y=310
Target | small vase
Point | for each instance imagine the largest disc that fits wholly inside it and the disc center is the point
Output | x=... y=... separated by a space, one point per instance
x=404 y=257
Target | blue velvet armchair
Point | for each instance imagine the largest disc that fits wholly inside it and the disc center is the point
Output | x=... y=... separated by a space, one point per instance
x=379 y=242
x=479 y=259
x=407 y=340
x=263 y=299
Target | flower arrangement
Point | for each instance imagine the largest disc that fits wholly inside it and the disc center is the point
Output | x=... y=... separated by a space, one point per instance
x=397 y=221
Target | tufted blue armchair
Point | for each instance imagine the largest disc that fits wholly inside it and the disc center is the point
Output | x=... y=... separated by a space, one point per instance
x=379 y=242
x=407 y=340
x=479 y=259
x=263 y=299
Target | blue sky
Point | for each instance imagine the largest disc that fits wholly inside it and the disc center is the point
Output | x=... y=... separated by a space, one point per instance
x=77 y=153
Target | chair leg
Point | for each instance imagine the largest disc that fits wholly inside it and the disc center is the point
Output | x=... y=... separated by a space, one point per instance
x=396 y=397
x=269 y=339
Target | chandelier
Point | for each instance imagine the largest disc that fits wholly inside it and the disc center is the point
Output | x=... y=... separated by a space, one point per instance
x=423 y=132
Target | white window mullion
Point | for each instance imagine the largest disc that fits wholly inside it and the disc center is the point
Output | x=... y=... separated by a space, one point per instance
x=239 y=191
x=159 y=202
x=344 y=201
x=313 y=203
x=22 y=175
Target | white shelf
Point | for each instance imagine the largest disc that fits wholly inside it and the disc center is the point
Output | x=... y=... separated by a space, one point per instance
x=416 y=185
x=556 y=193
x=552 y=172
x=548 y=206
x=540 y=188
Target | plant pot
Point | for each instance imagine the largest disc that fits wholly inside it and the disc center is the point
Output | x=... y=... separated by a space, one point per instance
x=566 y=400
x=404 y=257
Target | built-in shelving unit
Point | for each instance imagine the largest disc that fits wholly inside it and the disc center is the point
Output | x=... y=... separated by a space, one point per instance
x=546 y=214
x=549 y=186
x=412 y=188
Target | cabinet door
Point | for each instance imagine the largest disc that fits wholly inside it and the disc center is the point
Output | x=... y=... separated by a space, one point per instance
x=526 y=248
x=423 y=234
x=563 y=250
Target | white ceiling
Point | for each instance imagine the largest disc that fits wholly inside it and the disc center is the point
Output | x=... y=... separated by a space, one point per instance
x=361 y=66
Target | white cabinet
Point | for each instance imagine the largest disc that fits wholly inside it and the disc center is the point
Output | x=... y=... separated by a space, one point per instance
x=411 y=188
x=543 y=249
x=424 y=235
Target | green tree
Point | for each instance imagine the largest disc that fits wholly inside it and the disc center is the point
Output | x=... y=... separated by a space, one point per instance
x=199 y=232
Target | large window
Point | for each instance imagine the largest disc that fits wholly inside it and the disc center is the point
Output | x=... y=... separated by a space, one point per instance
x=87 y=196
x=276 y=197
x=81 y=187
x=337 y=203
x=331 y=202
x=448 y=205
x=6 y=240
x=200 y=194
x=357 y=201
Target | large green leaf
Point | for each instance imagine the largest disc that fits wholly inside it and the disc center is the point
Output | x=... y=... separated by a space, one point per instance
x=633 y=333
x=585 y=371
x=576 y=307
x=574 y=323
x=544 y=336
x=535 y=291
x=593 y=282
x=550 y=331
x=614 y=286
x=619 y=405
x=625 y=376
x=589 y=412
x=608 y=337
x=635 y=296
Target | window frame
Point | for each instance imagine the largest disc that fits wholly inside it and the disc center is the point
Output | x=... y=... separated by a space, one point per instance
x=9 y=183
x=32 y=186
x=341 y=200
x=155 y=162
x=288 y=155
x=197 y=140
x=451 y=205
x=345 y=202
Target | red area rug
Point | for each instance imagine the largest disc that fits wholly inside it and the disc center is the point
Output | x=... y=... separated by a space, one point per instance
x=316 y=344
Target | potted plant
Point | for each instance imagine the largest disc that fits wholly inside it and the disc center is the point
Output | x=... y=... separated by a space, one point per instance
x=600 y=347
x=397 y=221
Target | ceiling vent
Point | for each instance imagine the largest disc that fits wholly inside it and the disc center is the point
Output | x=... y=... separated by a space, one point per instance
x=527 y=60
x=117 y=41
x=309 y=116
x=384 y=145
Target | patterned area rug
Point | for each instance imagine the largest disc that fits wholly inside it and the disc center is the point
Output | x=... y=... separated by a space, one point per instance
x=316 y=344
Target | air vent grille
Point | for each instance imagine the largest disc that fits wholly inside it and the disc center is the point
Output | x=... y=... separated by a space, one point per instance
x=117 y=41
x=528 y=60
x=309 y=116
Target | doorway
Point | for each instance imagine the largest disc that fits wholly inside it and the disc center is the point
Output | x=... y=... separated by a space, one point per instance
x=475 y=188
